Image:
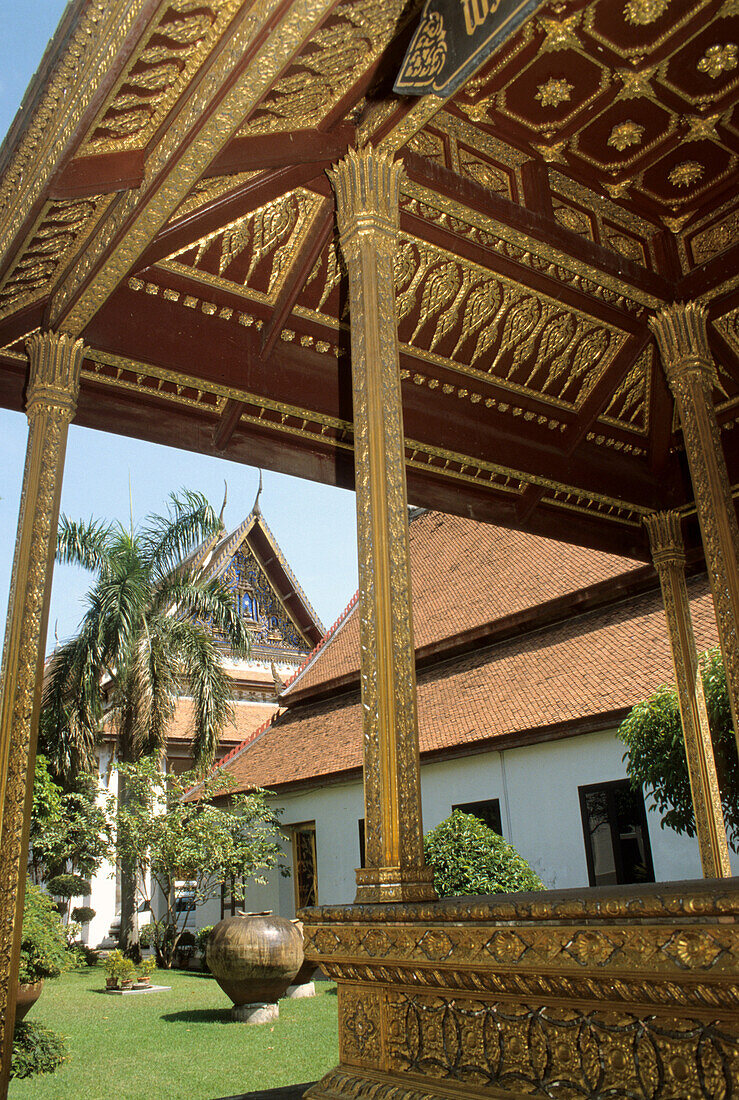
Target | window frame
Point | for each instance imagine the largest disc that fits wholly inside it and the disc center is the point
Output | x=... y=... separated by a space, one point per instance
x=610 y=786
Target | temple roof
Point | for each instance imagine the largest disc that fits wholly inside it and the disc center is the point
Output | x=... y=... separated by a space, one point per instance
x=569 y=650
x=252 y=541
x=166 y=175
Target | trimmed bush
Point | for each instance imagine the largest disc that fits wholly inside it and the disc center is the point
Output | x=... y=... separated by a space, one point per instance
x=36 y=1049
x=83 y=914
x=44 y=945
x=469 y=858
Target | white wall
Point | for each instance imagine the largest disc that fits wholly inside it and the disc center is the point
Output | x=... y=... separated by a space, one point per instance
x=540 y=809
x=102 y=897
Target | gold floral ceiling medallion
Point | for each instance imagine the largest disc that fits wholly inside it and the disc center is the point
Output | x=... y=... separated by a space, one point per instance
x=686 y=173
x=625 y=134
x=718 y=60
x=554 y=92
x=644 y=11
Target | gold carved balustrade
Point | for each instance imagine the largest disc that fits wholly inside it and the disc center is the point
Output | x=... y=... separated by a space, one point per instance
x=619 y=992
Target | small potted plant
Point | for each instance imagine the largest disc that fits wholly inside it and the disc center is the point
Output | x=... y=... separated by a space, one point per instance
x=145 y=971
x=112 y=966
x=127 y=974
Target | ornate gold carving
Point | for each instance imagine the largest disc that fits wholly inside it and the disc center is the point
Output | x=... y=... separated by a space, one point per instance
x=334 y=60
x=367 y=186
x=629 y=406
x=702 y=129
x=629 y=993
x=668 y=554
x=691 y=373
x=718 y=59
x=625 y=134
x=139 y=215
x=686 y=173
x=59 y=231
x=635 y=83
x=168 y=58
x=554 y=91
x=524 y=341
x=359 y=1027
x=51 y=400
x=643 y=12
x=728 y=326
x=560 y=34
x=100 y=31
x=429 y=49
x=272 y=231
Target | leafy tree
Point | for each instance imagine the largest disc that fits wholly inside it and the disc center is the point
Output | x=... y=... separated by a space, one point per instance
x=151 y=631
x=655 y=757
x=469 y=858
x=171 y=839
x=70 y=835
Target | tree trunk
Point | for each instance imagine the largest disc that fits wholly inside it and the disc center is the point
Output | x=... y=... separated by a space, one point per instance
x=129 y=941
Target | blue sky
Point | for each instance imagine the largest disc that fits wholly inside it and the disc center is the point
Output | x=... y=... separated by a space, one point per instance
x=315 y=525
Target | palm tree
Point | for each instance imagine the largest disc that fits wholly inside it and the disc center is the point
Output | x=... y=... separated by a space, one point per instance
x=155 y=626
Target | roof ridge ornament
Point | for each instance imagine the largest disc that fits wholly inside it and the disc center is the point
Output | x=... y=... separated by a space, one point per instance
x=256 y=510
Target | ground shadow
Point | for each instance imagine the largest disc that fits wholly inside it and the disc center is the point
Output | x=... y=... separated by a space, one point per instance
x=199 y=1016
x=289 y=1092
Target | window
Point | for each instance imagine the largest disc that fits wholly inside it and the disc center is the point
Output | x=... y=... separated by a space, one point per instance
x=362 y=849
x=616 y=836
x=304 y=865
x=488 y=812
x=230 y=906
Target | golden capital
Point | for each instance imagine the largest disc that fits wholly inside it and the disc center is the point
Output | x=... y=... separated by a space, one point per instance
x=681 y=331
x=665 y=538
x=367 y=185
x=56 y=361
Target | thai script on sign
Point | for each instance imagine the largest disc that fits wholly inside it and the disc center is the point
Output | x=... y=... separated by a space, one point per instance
x=476 y=12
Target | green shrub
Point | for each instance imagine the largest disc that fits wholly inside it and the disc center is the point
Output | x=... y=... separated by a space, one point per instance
x=146 y=935
x=202 y=936
x=469 y=858
x=68 y=886
x=44 y=944
x=36 y=1049
x=82 y=914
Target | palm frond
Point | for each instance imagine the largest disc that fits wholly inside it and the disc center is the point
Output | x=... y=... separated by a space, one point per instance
x=167 y=540
x=86 y=544
x=209 y=685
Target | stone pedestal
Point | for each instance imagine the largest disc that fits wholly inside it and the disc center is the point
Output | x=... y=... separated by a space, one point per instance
x=609 y=992
x=259 y=1013
x=305 y=989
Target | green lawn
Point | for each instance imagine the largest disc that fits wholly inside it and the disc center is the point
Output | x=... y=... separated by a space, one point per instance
x=176 y=1045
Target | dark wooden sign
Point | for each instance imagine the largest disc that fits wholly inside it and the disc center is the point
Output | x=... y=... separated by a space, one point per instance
x=453 y=38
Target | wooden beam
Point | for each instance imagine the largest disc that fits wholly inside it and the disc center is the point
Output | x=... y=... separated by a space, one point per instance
x=284 y=150
x=99 y=175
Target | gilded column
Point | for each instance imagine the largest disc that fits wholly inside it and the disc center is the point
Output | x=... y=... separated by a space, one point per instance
x=367 y=186
x=50 y=405
x=668 y=554
x=691 y=374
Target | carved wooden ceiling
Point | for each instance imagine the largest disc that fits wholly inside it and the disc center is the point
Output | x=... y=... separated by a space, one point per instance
x=164 y=195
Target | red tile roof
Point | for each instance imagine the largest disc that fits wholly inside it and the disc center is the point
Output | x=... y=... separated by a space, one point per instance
x=465 y=575
x=593 y=665
x=247 y=718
